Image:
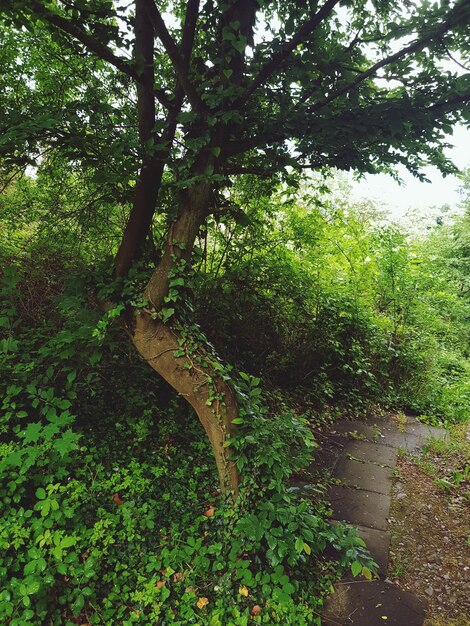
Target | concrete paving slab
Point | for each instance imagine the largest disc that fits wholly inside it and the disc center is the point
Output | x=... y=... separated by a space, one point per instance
x=363 y=475
x=366 y=465
x=374 y=603
x=371 y=452
x=403 y=440
x=382 y=423
x=347 y=429
x=378 y=544
x=414 y=427
x=325 y=458
x=356 y=506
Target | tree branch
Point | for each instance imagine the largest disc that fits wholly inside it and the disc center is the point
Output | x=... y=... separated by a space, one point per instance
x=99 y=49
x=236 y=170
x=148 y=186
x=240 y=146
x=413 y=47
x=175 y=55
x=452 y=102
x=189 y=30
x=289 y=47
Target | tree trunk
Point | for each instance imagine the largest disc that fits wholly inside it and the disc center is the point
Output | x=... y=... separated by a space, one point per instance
x=192 y=376
x=151 y=172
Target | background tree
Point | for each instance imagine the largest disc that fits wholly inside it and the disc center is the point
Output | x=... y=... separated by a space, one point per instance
x=163 y=105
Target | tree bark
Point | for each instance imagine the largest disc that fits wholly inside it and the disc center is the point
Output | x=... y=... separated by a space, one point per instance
x=192 y=375
x=180 y=240
x=151 y=172
x=212 y=398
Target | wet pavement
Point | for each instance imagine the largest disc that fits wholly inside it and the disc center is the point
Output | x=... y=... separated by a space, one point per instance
x=362 y=456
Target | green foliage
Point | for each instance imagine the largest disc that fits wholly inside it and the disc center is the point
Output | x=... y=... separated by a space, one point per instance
x=315 y=292
x=104 y=479
x=106 y=488
x=108 y=507
x=311 y=82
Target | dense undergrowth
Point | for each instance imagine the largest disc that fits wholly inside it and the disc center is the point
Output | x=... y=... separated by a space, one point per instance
x=110 y=513
x=332 y=298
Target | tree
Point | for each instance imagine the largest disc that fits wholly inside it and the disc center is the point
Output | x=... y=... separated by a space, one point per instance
x=222 y=88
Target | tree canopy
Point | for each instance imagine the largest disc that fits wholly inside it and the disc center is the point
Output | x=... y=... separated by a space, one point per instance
x=258 y=86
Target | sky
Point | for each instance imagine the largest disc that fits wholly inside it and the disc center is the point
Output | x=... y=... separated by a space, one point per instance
x=400 y=201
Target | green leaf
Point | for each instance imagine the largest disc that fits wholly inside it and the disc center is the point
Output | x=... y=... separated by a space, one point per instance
x=177 y=282
x=356 y=568
x=167 y=313
x=32 y=432
x=240 y=43
x=57 y=552
x=33 y=587
x=78 y=605
x=4 y=322
x=67 y=442
x=46 y=507
x=40 y=494
x=67 y=542
x=95 y=358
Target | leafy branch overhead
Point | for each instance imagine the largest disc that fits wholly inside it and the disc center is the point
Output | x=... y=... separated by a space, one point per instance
x=311 y=73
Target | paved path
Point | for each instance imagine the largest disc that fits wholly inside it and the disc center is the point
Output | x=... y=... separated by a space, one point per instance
x=363 y=455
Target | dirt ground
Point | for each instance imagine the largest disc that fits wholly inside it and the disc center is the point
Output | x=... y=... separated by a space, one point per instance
x=430 y=524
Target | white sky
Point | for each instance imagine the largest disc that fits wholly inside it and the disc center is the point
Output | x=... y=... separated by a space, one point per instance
x=400 y=199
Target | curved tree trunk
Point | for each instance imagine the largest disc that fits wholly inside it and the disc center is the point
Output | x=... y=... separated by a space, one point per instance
x=192 y=376
x=212 y=398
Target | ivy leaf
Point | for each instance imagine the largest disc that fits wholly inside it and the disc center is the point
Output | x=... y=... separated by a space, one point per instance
x=167 y=313
x=240 y=43
x=78 y=605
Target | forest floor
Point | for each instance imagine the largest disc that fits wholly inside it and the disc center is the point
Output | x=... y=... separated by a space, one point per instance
x=430 y=528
